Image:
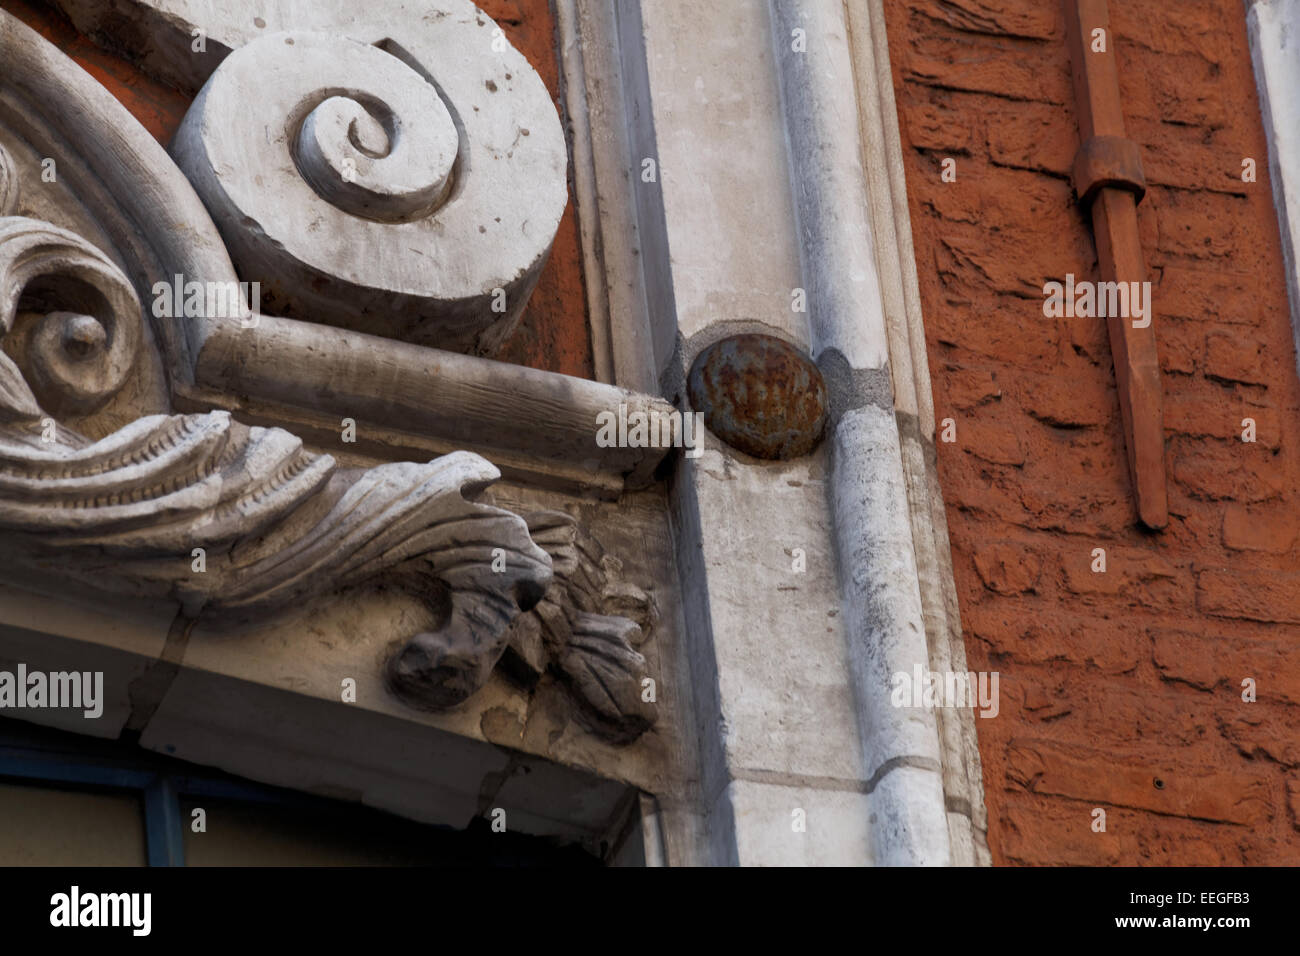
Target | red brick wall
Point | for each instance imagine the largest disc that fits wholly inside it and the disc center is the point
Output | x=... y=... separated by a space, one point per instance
x=1120 y=690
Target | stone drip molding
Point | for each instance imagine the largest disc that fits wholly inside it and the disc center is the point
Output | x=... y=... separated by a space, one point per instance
x=866 y=333
x=104 y=487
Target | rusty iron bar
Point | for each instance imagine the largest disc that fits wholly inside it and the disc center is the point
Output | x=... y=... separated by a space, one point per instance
x=1109 y=182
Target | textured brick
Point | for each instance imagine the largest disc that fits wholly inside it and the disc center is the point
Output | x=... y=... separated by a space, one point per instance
x=1270 y=529
x=968 y=388
x=1260 y=733
x=1199 y=225
x=1064 y=837
x=1135 y=672
x=1007 y=567
x=1171 y=157
x=995 y=17
x=1198 y=412
x=1205 y=661
x=1179 y=344
x=1028 y=139
x=1023 y=71
x=1010 y=342
x=956 y=202
x=1259 y=595
x=931 y=127
x=1207 y=295
x=1126 y=568
x=1068 y=400
x=1129 y=714
x=1236 y=357
x=1185 y=92
x=973 y=488
x=1189 y=26
x=1093 y=512
x=1226 y=471
x=991 y=441
x=985 y=259
x=1105 y=779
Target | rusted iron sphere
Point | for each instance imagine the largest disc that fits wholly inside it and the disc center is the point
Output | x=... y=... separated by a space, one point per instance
x=760 y=395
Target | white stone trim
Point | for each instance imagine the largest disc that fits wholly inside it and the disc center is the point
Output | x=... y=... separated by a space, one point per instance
x=893 y=577
x=1273 y=27
x=601 y=156
x=914 y=403
x=792 y=700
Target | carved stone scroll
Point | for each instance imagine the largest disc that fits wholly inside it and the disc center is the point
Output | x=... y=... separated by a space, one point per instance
x=294 y=372
x=415 y=198
x=83 y=342
x=231 y=519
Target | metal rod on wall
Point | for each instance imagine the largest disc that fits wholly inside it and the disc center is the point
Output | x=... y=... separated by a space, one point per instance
x=1108 y=179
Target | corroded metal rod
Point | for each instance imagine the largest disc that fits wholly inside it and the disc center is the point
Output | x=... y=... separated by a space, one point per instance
x=1108 y=179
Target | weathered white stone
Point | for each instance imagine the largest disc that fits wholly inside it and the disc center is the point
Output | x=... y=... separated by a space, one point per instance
x=421 y=205
x=778 y=632
x=8 y=184
x=914 y=404
x=883 y=498
x=410 y=400
x=120 y=639
x=833 y=825
x=1273 y=27
x=352 y=753
x=77 y=362
x=721 y=168
x=780 y=701
x=148 y=484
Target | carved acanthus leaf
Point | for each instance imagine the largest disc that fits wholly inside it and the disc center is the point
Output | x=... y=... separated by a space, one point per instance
x=272 y=523
x=587 y=628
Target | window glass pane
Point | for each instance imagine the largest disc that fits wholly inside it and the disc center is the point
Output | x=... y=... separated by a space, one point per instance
x=259 y=834
x=43 y=826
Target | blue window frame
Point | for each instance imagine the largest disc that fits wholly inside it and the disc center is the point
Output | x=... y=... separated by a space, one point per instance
x=39 y=756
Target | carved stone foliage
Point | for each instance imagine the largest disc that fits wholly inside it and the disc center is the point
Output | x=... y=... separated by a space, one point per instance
x=587 y=628
x=8 y=185
x=307 y=147
x=221 y=516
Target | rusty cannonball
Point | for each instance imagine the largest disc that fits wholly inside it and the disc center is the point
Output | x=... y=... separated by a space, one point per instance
x=760 y=395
